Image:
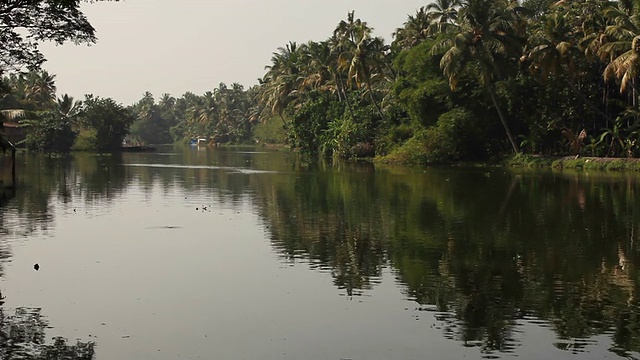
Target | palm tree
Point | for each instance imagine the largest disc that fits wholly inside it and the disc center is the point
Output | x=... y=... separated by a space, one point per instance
x=442 y=14
x=361 y=55
x=552 y=47
x=67 y=107
x=319 y=71
x=282 y=79
x=206 y=111
x=167 y=102
x=414 y=29
x=41 y=88
x=624 y=51
x=556 y=48
x=487 y=45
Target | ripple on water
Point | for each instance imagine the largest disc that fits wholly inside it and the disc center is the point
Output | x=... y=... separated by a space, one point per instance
x=205 y=167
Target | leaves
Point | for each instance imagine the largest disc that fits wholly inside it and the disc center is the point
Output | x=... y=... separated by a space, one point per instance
x=24 y=24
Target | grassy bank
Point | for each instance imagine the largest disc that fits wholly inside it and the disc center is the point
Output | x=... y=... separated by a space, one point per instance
x=574 y=163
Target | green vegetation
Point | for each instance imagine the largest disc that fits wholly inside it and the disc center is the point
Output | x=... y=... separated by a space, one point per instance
x=224 y=115
x=461 y=81
x=24 y=24
x=464 y=81
x=23 y=334
x=489 y=251
x=482 y=249
x=61 y=124
x=29 y=98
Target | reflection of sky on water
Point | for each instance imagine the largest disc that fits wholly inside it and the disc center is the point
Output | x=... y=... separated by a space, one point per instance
x=151 y=274
x=209 y=167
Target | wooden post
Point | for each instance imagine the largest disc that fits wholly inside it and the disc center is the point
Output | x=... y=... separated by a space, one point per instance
x=13 y=166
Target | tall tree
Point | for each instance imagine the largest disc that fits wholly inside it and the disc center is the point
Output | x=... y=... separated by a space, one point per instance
x=623 y=49
x=24 y=24
x=110 y=120
x=555 y=48
x=282 y=79
x=442 y=14
x=486 y=46
x=41 y=88
x=320 y=67
x=414 y=30
x=361 y=55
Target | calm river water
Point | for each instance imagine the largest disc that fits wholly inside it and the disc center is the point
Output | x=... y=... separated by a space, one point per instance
x=248 y=254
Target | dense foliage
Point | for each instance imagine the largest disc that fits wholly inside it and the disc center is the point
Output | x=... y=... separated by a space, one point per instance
x=62 y=124
x=485 y=254
x=24 y=24
x=461 y=80
x=221 y=116
x=465 y=80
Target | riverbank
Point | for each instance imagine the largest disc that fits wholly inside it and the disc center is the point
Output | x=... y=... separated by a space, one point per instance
x=574 y=163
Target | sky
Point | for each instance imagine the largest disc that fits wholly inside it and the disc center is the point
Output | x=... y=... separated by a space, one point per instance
x=175 y=46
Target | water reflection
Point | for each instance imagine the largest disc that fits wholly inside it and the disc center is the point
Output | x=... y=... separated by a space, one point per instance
x=485 y=250
x=22 y=336
x=483 y=253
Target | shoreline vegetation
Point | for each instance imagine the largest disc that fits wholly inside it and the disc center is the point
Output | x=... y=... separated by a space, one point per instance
x=526 y=161
x=574 y=163
x=462 y=82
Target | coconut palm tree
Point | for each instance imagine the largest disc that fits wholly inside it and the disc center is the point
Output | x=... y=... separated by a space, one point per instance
x=623 y=52
x=442 y=14
x=68 y=107
x=360 y=55
x=414 y=30
x=282 y=79
x=41 y=88
x=486 y=45
x=553 y=47
x=320 y=63
x=556 y=48
x=206 y=111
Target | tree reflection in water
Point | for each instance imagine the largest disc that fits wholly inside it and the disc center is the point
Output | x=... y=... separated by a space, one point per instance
x=22 y=336
x=482 y=251
x=22 y=331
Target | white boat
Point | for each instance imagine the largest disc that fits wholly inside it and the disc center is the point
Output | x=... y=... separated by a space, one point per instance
x=200 y=141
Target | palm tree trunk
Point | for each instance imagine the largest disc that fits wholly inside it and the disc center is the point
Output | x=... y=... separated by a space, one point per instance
x=503 y=119
x=284 y=122
x=335 y=78
x=374 y=100
x=346 y=99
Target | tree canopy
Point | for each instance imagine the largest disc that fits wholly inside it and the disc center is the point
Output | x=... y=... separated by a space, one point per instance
x=24 y=24
x=462 y=80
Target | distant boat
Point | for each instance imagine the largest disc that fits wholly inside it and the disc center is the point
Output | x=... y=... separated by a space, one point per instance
x=201 y=141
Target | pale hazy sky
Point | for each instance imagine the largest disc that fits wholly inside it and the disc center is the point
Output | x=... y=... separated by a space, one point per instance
x=174 y=46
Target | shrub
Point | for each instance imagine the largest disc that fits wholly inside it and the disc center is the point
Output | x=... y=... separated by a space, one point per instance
x=85 y=141
x=453 y=138
x=50 y=132
x=272 y=131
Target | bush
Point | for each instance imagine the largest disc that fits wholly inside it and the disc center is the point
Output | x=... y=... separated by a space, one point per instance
x=272 y=131
x=86 y=141
x=453 y=138
x=391 y=138
x=50 y=132
x=309 y=132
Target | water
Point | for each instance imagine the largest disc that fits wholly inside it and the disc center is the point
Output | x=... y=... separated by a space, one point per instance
x=250 y=254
